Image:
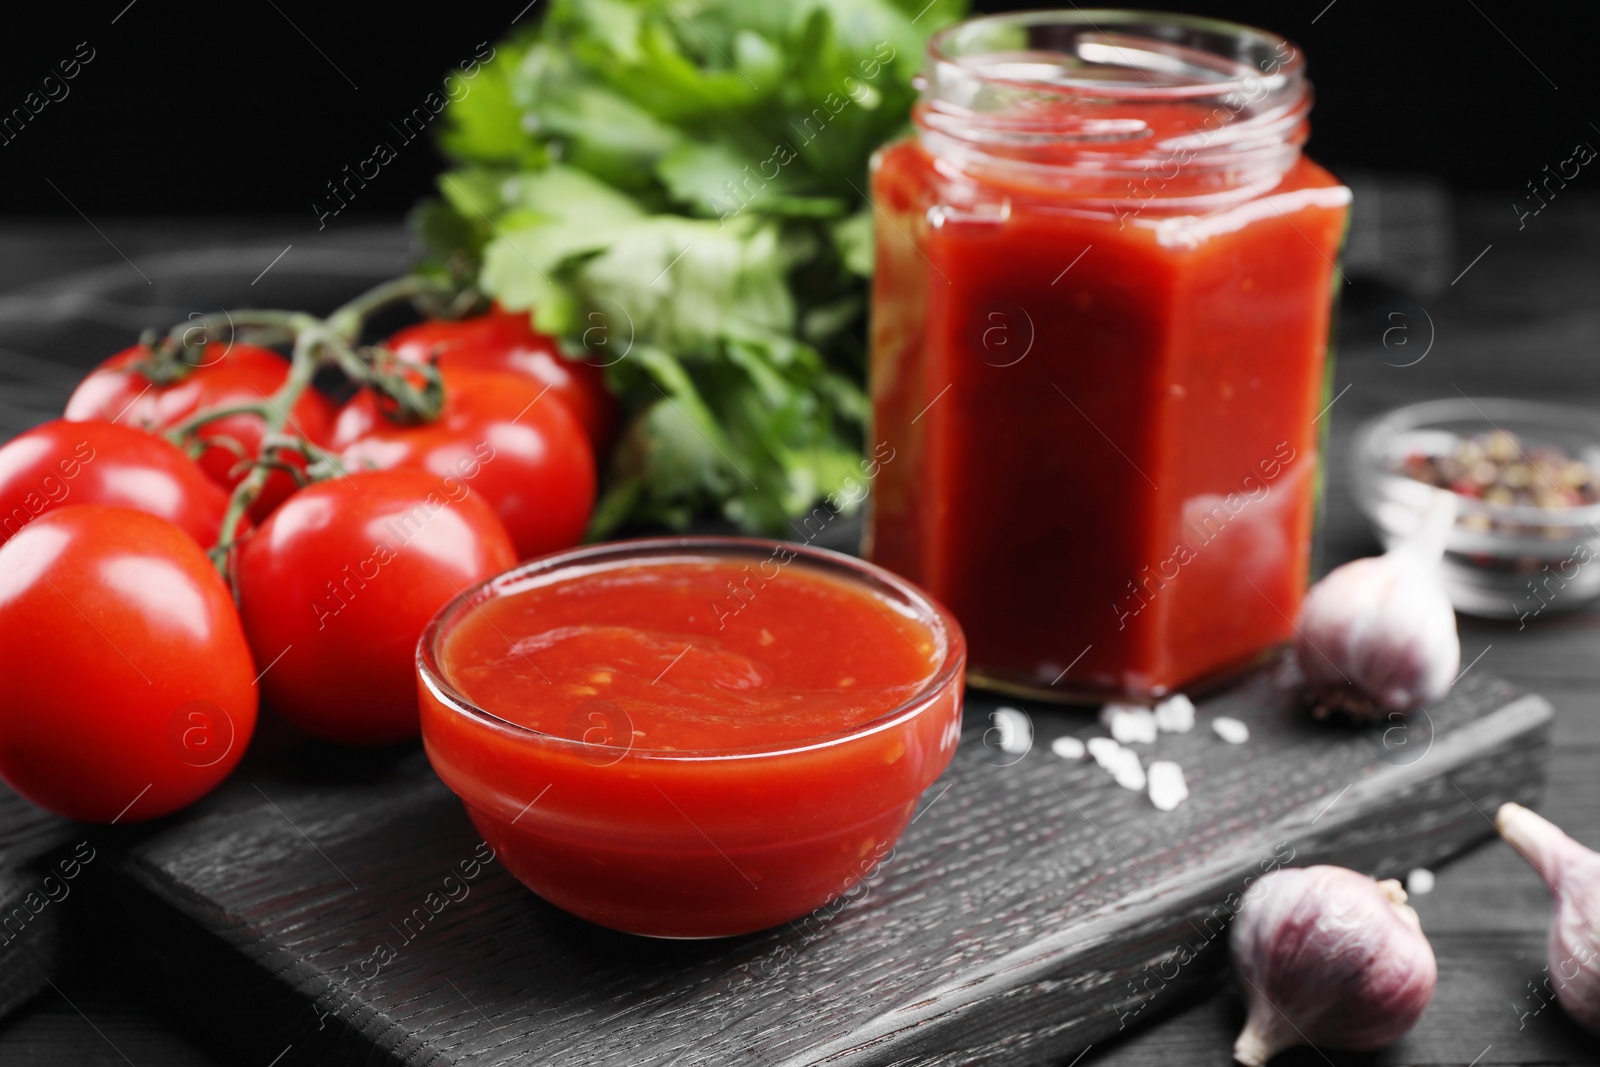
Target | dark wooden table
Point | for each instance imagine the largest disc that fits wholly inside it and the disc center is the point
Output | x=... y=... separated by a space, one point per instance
x=1523 y=320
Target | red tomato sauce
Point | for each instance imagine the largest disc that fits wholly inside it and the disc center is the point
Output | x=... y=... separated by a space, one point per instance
x=692 y=665
x=1105 y=419
x=715 y=751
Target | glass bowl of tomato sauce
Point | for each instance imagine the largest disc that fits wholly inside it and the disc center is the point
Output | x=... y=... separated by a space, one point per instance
x=691 y=736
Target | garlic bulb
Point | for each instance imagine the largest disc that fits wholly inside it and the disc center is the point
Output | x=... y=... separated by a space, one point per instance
x=1573 y=874
x=1378 y=635
x=1327 y=956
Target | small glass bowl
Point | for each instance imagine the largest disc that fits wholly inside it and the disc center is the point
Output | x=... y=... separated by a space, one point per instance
x=690 y=844
x=1501 y=560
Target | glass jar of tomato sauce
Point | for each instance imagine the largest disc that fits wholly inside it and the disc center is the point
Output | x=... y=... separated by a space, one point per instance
x=1101 y=313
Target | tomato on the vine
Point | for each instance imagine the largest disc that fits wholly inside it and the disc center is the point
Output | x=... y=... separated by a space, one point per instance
x=126 y=687
x=62 y=463
x=337 y=585
x=502 y=437
x=227 y=376
x=506 y=340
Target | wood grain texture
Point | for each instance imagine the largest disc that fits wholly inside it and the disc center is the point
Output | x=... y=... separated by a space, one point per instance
x=86 y=1024
x=1033 y=908
x=34 y=897
x=1476 y=1018
x=1522 y=322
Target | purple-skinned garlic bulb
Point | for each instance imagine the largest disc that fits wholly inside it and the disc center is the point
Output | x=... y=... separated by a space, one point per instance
x=1378 y=635
x=1573 y=874
x=1328 y=957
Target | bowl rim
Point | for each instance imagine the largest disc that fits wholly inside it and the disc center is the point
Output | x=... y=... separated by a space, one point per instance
x=949 y=670
x=1377 y=432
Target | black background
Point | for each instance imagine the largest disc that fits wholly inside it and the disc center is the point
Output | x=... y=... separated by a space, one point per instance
x=250 y=108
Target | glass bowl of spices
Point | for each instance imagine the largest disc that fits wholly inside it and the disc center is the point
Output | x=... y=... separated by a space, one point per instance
x=1526 y=479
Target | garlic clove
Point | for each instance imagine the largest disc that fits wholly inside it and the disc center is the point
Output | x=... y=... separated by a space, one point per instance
x=1328 y=957
x=1378 y=635
x=1573 y=874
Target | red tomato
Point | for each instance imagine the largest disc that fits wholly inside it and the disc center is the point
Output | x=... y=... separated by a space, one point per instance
x=337 y=585
x=500 y=437
x=64 y=462
x=238 y=374
x=126 y=687
x=506 y=340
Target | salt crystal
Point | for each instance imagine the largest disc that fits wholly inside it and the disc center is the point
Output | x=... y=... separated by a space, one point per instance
x=1128 y=771
x=1115 y=708
x=1175 y=715
x=1123 y=763
x=1231 y=730
x=1068 y=748
x=1167 y=787
x=1016 y=731
x=1419 y=882
x=1104 y=750
x=1129 y=723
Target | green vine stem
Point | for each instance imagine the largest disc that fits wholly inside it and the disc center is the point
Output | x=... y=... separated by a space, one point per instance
x=347 y=321
x=213 y=326
x=180 y=433
x=183 y=347
x=303 y=366
x=317 y=343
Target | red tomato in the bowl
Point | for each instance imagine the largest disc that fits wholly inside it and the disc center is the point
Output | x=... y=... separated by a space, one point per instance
x=337 y=585
x=62 y=463
x=506 y=340
x=126 y=687
x=503 y=438
x=228 y=375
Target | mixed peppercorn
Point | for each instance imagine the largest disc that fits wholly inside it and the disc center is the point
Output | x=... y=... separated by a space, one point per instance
x=1498 y=469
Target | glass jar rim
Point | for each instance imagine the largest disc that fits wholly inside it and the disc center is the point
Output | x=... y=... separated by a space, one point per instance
x=948 y=671
x=1092 y=103
x=943 y=51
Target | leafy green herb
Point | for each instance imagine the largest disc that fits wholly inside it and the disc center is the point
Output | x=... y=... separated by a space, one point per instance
x=680 y=186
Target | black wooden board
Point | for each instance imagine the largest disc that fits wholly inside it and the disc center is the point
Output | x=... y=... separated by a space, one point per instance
x=37 y=855
x=1032 y=909
x=1528 y=295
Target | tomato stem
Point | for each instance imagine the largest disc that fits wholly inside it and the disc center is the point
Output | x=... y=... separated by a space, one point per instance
x=320 y=463
x=180 y=433
x=311 y=333
x=186 y=342
x=317 y=342
x=347 y=320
